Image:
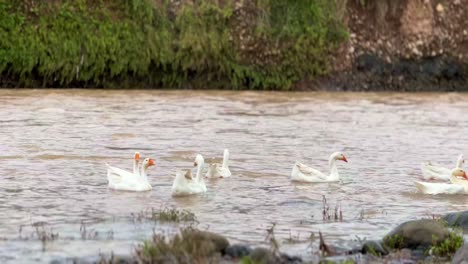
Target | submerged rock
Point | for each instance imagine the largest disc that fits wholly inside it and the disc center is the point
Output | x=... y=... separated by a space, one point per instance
x=237 y=251
x=107 y=259
x=263 y=255
x=416 y=234
x=461 y=256
x=290 y=259
x=457 y=219
x=218 y=242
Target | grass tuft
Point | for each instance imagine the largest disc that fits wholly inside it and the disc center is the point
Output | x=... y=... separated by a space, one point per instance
x=449 y=246
x=186 y=247
x=173 y=215
x=394 y=242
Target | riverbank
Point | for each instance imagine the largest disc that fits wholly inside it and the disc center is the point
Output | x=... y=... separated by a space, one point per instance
x=171 y=44
x=405 y=45
x=425 y=240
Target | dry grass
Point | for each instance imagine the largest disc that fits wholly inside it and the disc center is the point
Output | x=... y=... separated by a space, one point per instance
x=184 y=248
x=328 y=215
x=173 y=215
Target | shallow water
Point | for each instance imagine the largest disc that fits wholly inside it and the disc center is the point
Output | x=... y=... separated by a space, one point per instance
x=55 y=144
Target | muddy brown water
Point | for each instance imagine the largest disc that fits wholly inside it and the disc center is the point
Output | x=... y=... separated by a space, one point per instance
x=54 y=145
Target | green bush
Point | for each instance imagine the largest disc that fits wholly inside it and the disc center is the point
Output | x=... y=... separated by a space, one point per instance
x=135 y=43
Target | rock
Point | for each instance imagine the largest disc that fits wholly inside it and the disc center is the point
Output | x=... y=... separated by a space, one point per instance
x=457 y=219
x=440 y=8
x=417 y=21
x=461 y=256
x=456 y=2
x=374 y=247
x=237 y=251
x=98 y=259
x=419 y=233
x=263 y=255
x=218 y=242
x=290 y=259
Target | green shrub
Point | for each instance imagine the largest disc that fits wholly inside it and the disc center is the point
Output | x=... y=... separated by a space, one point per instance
x=134 y=43
x=449 y=246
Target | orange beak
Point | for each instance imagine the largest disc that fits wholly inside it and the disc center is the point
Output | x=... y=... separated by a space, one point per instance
x=344 y=159
x=465 y=176
x=151 y=162
x=137 y=155
x=195 y=164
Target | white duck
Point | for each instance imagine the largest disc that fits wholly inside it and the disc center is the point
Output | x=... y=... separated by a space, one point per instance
x=216 y=170
x=436 y=172
x=301 y=172
x=126 y=181
x=185 y=184
x=457 y=186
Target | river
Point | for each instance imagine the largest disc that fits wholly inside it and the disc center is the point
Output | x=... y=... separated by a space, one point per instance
x=55 y=143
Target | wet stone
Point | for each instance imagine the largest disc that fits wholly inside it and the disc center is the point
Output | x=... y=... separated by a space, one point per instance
x=461 y=256
x=416 y=234
x=237 y=251
x=263 y=255
x=457 y=219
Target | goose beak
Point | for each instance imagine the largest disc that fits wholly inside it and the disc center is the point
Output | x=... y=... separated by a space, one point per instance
x=344 y=159
x=151 y=162
x=465 y=176
x=137 y=156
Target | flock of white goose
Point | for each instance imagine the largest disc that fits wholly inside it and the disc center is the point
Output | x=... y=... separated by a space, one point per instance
x=457 y=178
x=186 y=184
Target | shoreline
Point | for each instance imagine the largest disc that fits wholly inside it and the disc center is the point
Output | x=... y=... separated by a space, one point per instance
x=403 y=46
x=425 y=240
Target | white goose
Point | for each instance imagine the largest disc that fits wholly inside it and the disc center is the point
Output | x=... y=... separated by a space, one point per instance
x=436 y=172
x=216 y=170
x=458 y=185
x=127 y=181
x=301 y=172
x=185 y=184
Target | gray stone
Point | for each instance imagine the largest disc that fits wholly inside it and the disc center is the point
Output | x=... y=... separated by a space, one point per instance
x=457 y=219
x=461 y=256
x=219 y=242
x=237 y=251
x=290 y=259
x=265 y=256
x=419 y=233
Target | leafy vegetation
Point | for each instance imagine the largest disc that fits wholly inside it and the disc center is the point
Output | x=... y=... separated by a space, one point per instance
x=449 y=246
x=143 y=43
x=394 y=241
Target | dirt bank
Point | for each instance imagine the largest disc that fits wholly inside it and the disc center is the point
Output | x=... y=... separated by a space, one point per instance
x=402 y=45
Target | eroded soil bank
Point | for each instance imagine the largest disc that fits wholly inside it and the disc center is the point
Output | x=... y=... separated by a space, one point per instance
x=345 y=45
x=403 y=45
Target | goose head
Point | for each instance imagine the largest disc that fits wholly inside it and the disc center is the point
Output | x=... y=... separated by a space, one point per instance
x=338 y=156
x=457 y=172
x=148 y=162
x=198 y=160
